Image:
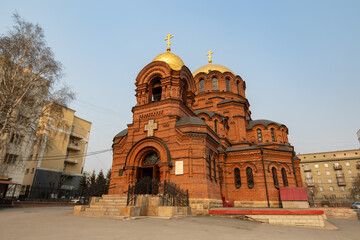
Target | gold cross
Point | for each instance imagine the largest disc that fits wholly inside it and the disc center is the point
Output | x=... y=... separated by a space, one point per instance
x=150 y=127
x=168 y=41
x=209 y=54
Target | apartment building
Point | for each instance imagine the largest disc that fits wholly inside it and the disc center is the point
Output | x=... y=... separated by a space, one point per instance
x=328 y=176
x=58 y=160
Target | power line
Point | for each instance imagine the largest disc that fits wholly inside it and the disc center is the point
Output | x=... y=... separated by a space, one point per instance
x=60 y=157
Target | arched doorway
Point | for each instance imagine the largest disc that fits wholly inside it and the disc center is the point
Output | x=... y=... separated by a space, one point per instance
x=149 y=168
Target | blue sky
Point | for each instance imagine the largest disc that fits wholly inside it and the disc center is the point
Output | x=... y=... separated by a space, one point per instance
x=300 y=59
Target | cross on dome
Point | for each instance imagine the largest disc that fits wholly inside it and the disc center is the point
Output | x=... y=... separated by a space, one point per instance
x=168 y=37
x=209 y=54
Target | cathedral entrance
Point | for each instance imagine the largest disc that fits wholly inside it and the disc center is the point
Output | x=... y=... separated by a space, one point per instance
x=148 y=175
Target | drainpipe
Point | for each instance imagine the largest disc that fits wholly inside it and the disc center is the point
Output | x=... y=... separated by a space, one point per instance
x=266 y=188
x=292 y=161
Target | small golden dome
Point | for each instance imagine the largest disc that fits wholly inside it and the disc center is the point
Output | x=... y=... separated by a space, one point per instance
x=212 y=67
x=173 y=60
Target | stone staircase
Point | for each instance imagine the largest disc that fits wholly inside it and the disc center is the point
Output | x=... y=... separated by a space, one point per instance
x=107 y=206
x=114 y=207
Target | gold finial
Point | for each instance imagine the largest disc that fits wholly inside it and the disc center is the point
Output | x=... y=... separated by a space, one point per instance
x=168 y=41
x=209 y=54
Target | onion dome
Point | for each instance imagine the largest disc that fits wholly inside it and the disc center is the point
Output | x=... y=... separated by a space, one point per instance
x=173 y=60
x=212 y=67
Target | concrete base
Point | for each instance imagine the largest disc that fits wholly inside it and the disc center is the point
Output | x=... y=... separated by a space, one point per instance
x=131 y=211
x=295 y=204
x=110 y=206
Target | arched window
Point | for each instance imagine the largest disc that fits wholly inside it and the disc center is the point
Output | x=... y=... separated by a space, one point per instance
x=284 y=177
x=273 y=134
x=250 y=177
x=156 y=91
x=227 y=84
x=215 y=83
x=237 y=87
x=259 y=135
x=201 y=85
x=237 y=178
x=214 y=166
x=275 y=178
x=216 y=126
x=151 y=158
x=209 y=166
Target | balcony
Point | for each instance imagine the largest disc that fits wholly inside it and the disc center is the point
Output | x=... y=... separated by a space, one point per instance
x=310 y=182
x=340 y=179
x=76 y=135
x=71 y=161
x=337 y=166
x=74 y=146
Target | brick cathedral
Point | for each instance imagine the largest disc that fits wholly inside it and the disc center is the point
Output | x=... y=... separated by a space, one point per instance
x=195 y=129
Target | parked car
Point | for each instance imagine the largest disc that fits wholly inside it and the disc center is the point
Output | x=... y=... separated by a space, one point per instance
x=355 y=205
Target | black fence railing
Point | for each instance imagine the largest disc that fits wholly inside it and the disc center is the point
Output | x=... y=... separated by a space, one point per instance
x=170 y=192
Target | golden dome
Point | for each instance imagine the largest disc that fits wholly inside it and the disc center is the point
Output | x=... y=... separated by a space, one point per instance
x=212 y=67
x=173 y=60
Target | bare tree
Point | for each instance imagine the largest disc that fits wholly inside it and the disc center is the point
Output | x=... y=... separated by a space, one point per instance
x=29 y=78
x=355 y=190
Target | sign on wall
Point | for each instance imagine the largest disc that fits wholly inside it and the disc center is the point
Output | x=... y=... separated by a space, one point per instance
x=179 y=167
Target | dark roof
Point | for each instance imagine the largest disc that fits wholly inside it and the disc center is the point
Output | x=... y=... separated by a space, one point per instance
x=230 y=100
x=190 y=121
x=234 y=149
x=263 y=122
x=285 y=148
x=122 y=133
x=209 y=113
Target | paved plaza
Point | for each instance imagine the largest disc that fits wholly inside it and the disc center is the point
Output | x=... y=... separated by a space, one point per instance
x=58 y=223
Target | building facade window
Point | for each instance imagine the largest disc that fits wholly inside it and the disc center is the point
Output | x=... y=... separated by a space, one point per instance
x=316 y=165
x=237 y=178
x=318 y=173
x=319 y=180
x=329 y=180
x=259 y=135
x=284 y=177
x=331 y=188
x=10 y=158
x=156 y=91
x=227 y=81
x=216 y=126
x=273 y=134
x=209 y=166
x=238 y=87
x=321 y=189
x=201 y=85
x=214 y=166
x=326 y=165
x=215 y=83
x=250 y=177
x=349 y=171
x=327 y=172
x=275 y=178
x=347 y=164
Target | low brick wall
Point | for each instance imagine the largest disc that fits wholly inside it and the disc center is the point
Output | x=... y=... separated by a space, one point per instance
x=340 y=213
x=41 y=204
x=288 y=217
x=291 y=220
x=200 y=206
